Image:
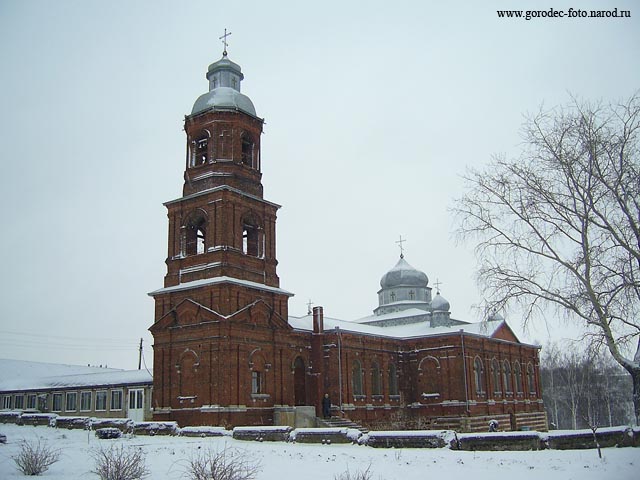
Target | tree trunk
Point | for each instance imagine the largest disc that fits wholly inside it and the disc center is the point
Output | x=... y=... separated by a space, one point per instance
x=635 y=376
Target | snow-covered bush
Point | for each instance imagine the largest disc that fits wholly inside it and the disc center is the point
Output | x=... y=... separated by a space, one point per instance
x=108 y=433
x=359 y=475
x=35 y=458
x=227 y=464
x=155 y=428
x=120 y=463
x=203 y=432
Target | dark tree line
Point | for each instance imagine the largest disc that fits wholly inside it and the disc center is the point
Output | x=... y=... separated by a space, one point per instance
x=582 y=390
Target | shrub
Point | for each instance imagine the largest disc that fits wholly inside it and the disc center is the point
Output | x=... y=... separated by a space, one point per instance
x=227 y=464
x=119 y=463
x=107 y=433
x=35 y=458
x=359 y=475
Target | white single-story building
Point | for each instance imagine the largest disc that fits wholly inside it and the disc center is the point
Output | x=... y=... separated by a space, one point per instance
x=72 y=390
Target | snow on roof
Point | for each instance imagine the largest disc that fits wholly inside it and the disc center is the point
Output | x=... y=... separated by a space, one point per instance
x=212 y=281
x=412 y=330
x=409 y=312
x=23 y=375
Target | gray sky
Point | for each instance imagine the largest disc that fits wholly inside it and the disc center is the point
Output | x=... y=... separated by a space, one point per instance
x=373 y=110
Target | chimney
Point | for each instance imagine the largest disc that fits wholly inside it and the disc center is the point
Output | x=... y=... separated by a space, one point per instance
x=318 y=320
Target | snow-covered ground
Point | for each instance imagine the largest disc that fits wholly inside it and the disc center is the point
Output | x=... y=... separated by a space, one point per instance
x=166 y=457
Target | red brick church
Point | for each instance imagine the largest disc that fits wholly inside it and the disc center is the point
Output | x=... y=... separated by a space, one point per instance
x=226 y=351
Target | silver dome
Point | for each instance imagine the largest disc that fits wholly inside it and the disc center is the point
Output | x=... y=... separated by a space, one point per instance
x=404 y=275
x=224 y=98
x=440 y=304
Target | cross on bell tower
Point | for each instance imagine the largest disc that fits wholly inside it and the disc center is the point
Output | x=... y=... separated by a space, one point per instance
x=224 y=41
x=400 y=242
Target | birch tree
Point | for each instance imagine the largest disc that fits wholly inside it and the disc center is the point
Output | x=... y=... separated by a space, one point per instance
x=560 y=225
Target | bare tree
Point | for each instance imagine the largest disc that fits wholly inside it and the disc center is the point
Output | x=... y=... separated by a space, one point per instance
x=584 y=388
x=560 y=226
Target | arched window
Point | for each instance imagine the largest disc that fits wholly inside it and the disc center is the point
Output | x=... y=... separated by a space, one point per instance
x=252 y=237
x=257 y=366
x=200 y=149
x=299 y=382
x=393 y=379
x=478 y=375
x=376 y=381
x=517 y=373
x=247 y=151
x=495 y=377
x=356 y=378
x=195 y=234
x=187 y=368
x=506 y=376
x=429 y=381
x=531 y=380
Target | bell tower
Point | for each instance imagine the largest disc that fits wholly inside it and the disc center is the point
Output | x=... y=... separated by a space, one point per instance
x=222 y=232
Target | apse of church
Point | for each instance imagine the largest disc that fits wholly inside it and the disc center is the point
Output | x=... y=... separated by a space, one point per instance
x=227 y=352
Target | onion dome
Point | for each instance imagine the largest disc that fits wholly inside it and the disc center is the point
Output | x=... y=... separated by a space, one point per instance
x=440 y=304
x=224 y=89
x=403 y=275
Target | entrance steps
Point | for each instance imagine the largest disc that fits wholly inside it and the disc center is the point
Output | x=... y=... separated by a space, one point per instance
x=341 y=422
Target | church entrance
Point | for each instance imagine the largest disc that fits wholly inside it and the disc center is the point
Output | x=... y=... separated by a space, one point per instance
x=299 y=382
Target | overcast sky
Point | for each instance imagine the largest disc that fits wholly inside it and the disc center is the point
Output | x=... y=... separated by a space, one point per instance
x=373 y=111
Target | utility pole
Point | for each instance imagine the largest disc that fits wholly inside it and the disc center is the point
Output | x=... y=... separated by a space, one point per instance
x=140 y=356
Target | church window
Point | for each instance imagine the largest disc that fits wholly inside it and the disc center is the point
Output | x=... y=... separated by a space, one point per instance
x=19 y=402
x=495 y=375
x=531 y=381
x=247 y=151
x=517 y=373
x=257 y=382
x=252 y=238
x=506 y=376
x=429 y=379
x=412 y=295
x=376 y=383
x=478 y=375
x=71 y=402
x=31 y=401
x=101 y=400
x=116 y=400
x=393 y=379
x=200 y=149
x=57 y=402
x=195 y=235
x=356 y=378
x=393 y=296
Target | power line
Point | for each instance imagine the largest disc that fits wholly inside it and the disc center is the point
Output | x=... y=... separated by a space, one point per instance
x=61 y=337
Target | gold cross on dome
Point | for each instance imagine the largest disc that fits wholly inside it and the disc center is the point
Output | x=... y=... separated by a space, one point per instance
x=224 y=40
x=400 y=242
x=437 y=283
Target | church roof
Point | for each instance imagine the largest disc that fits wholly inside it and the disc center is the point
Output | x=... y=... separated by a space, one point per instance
x=403 y=275
x=409 y=331
x=215 y=280
x=224 y=89
x=440 y=304
x=223 y=98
